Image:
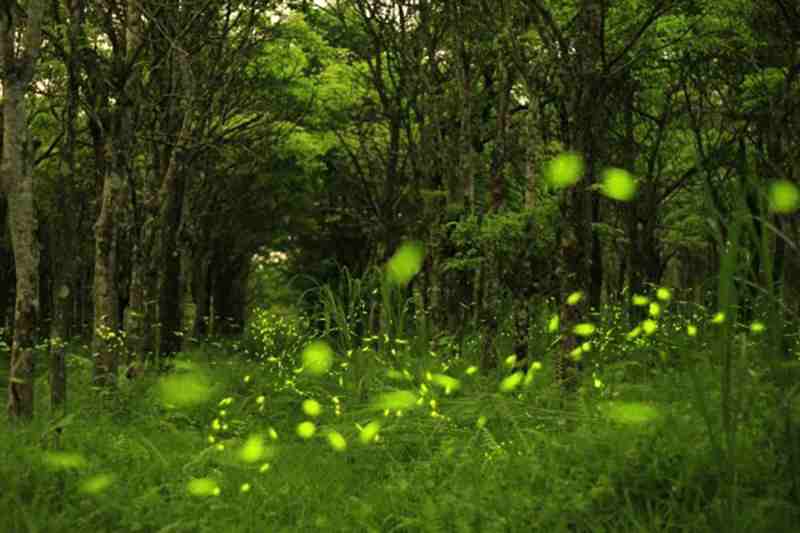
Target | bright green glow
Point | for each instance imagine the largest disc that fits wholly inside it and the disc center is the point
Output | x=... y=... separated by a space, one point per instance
x=337 y=442
x=649 y=326
x=369 y=432
x=185 y=389
x=253 y=449
x=619 y=185
x=64 y=460
x=631 y=413
x=306 y=430
x=96 y=484
x=664 y=294
x=718 y=318
x=448 y=383
x=640 y=300
x=395 y=400
x=317 y=358
x=565 y=170
x=406 y=262
x=574 y=298
x=654 y=310
x=203 y=487
x=511 y=382
x=584 y=330
x=784 y=197
x=471 y=370
x=312 y=407
x=757 y=327
x=691 y=330
x=552 y=325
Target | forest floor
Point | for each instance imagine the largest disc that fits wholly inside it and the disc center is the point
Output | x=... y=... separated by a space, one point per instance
x=226 y=442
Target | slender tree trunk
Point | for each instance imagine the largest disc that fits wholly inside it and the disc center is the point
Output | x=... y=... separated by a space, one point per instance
x=18 y=55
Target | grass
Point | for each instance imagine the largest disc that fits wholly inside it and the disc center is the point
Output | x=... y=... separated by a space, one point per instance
x=631 y=451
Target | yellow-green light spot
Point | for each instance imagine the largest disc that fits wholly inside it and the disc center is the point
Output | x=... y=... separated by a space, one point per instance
x=96 y=484
x=565 y=170
x=64 y=460
x=401 y=399
x=619 y=185
x=184 y=390
x=306 y=430
x=448 y=383
x=337 y=442
x=552 y=325
x=718 y=318
x=654 y=310
x=574 y=298
x=471 y=370
x=784 y=197
x=481 y=422
x=511 y=360
x=630 y=413
x=757 y=327
x=312 y=407
x=245 y=487
x=510 y=383
x=640 y=300
x=317 y=358
x=584 y=330
x=406 y=262
x=635 y=332
x=649 y=326
x=691 y=330
x=203 y=487
x=369 y=433
x=253 y=449
x=664 y=294
x=263 y=468
x=273 y=434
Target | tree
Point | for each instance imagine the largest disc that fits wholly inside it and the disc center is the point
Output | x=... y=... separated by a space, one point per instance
x=20 y=43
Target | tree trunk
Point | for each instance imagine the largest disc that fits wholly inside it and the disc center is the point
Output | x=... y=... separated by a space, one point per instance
x=18 y=55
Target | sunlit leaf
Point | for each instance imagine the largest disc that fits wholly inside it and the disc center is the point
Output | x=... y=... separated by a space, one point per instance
x=406 y=262
x=784 y=197
x=565 y=170
x=317 y=358
x=619 y=185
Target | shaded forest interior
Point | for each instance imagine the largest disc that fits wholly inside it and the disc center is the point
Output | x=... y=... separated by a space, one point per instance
x=533 y=264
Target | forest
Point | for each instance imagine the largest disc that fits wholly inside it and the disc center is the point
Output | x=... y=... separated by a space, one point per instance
x=400 y=265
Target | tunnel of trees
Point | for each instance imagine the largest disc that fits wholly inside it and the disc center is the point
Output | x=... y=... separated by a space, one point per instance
x=156 y=152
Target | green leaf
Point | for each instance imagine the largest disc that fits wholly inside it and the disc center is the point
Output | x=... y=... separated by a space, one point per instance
x=396 y=400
